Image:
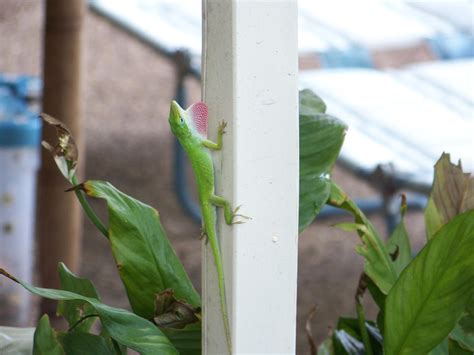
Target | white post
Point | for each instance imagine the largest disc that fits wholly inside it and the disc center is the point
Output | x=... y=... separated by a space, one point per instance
x=250 y=71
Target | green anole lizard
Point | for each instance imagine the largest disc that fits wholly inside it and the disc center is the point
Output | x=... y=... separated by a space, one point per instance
x=190 y=127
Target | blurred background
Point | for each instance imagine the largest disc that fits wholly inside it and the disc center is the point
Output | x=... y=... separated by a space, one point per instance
x=400 y=74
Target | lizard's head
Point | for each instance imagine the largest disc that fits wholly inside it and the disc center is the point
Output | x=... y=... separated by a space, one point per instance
x=177 y=120
x=192 y=121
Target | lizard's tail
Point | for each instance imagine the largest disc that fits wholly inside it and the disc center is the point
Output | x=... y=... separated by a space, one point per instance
x=222 y=295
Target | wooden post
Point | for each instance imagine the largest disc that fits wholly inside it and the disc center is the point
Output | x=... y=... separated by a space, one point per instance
x=250 y=67
x=58 y=213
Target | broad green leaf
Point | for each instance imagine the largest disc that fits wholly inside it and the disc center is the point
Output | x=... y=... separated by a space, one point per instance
x=125 y=327
x=433 y=290
x=310 y=103
x=145 y=259
x=16 y=341
x=187 y=341
x=378 y=264
x=398 y=244
x=452 y=194
x=441 y=349
x=45 y=339
x=78 y=343
x=376 y=294
x=75 y=310
x=456 y=349
x=466 y=322
x=463 y=338
x=119 y=348
x=321 y=138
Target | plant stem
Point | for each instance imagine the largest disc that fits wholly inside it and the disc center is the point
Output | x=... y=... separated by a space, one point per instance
x=363 y=328
x=88 y=209
x=80 y=320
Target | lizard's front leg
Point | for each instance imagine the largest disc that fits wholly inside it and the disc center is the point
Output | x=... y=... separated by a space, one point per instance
x=216 y=146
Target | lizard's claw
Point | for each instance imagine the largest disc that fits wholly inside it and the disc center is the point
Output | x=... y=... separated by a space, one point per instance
x=203 y=235
x=234 y=214
x=222 y=126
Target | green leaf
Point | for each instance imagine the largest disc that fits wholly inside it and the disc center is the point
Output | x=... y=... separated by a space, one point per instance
x=145 y=259
x=77 y=343
x=441 y=349
x=433 y=289
x=456 y=349
x=45 y=339
x=378 y=264
x=310 y=103
x=187 y=341
x=452 y=194
x=348 y=337
x=112 y=344
x=398 y=244
x=467 y=321
x=123 y=326
x=326 y=347
x=16 y=341
x=346 y=344
x=465 y=339
x=75 y=310
x=321 y=138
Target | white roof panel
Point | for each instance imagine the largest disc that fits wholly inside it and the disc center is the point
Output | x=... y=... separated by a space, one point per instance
x=323 y=25
x=390 y=121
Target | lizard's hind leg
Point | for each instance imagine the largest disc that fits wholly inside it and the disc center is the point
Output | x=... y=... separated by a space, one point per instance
x=229 y=214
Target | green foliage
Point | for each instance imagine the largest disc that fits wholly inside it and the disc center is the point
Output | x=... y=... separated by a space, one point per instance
x=464 y=337
x=398 y=244
x=145 y=259
x=73 y=311
x=321 y=138
x=378 y=264
x=49 y=342
x=452 y=193
x=46 y=339
x=455 y=348
x=187 y=341
x=348 y=337
x=124 y=327
x=426 y=304
x=79 y=343
x=441 y=274
x=326 y=347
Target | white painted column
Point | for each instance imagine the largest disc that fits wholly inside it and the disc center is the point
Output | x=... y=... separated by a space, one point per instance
x=250 y=80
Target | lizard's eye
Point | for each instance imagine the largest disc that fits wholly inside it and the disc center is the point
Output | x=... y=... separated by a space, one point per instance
x=181 y=120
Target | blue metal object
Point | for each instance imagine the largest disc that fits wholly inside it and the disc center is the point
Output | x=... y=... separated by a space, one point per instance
x=355 y=56
x=19 y=125
x=456 y=46
x=20 y=131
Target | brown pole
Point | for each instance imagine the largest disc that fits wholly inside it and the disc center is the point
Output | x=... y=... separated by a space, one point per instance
x=58 y=213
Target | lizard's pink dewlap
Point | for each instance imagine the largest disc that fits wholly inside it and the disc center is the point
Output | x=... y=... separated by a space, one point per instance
x=198 y=113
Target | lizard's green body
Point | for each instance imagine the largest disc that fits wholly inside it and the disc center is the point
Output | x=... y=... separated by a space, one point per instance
x=190 y=128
